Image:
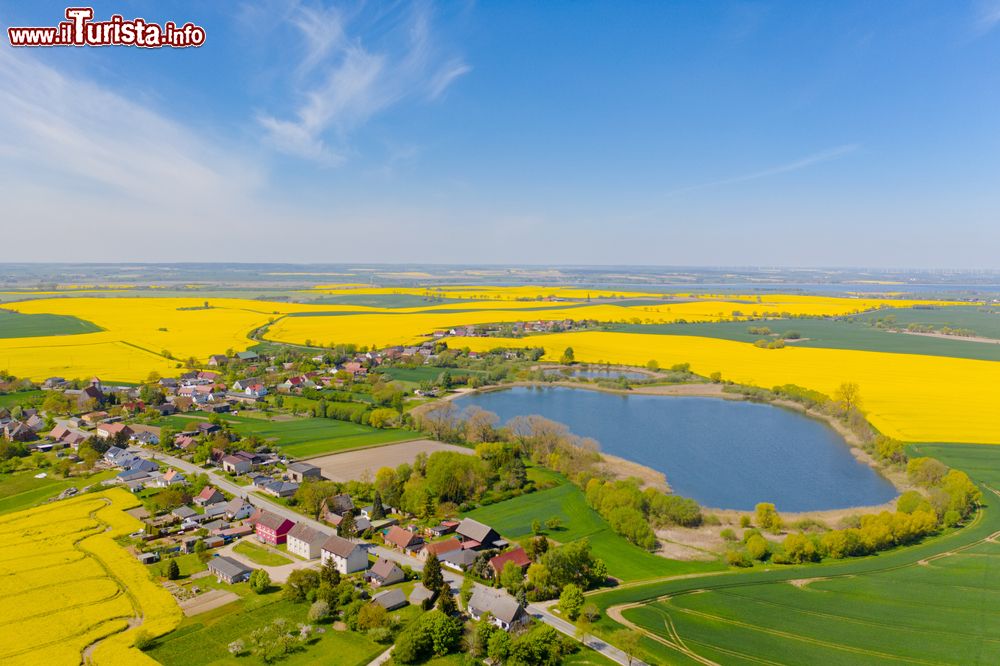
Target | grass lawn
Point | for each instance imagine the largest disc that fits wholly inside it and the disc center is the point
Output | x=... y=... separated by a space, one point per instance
x=305 y=437
x=203 y=639
x=513 y=518
x=424 y=373
x=17 y=325
x=19 y=398
x=260 y=555
x=935 y=602
x=188 y=564
x=848 y=333
x=585 y=656
x=22 y=490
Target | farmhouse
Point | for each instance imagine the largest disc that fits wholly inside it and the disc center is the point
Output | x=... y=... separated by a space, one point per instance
x=281 y=488
x=209 y=495
x=228 y=570
x=435 y=548
x=111 y=430
x=305 y=541
x=517 y=556
x=385 y=572
x=300 y=471
x=503 y=608
x=476 y=535
x=403 y=539
x=272 y=528
x=238 y=508
x=236 y=465
x=347 y=556
x=459 y=559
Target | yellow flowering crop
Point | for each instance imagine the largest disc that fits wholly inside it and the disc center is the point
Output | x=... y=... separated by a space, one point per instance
x=68 y=584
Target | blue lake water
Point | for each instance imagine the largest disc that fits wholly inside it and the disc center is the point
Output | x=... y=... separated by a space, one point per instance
x=597 y=374
x=726 y=454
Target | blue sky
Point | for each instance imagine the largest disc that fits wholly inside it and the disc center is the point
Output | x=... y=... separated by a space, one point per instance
x=699 y=133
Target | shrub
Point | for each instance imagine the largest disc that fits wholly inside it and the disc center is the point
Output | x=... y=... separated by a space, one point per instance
x=728 y=534
x=757 y=547
x=260 y=581
x=737 y=558
x=319 y=611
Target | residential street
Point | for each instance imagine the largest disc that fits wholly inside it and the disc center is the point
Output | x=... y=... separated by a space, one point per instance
x=454 y=579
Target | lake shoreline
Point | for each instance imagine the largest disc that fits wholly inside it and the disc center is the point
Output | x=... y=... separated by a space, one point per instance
x=624 y=468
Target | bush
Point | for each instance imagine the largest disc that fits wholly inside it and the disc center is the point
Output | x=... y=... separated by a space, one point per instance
x=737 y=558
x=758 y=548
x=319 y=611
x=571 y=601
x=260 y=581
x=728 y=534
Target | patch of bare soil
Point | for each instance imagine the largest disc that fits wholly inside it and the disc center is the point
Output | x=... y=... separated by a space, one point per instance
x=691 y=544
x=209 y=601
x=626 y=469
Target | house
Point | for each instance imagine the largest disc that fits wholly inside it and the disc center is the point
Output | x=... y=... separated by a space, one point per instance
x=184 y=512
x=281 y=488
x=476 y=535
x=390 y=599
x=145 y=437
x=459 y=559
x=305 y=541
x=53 y=382
x=445 y=527
x=435 y=548
x=334 y=507
x=300 y=471
x=206 y=428
x=166 y=409
x=148 y=558
x=503 y=608
x=247 y=355
x=185 y=442
x=173 y=477
x=236 y=464
x=517 y=556
x=209 y=495
x=18 y=431
x=111 y=430
x=218 y=359
x=228 y=570
x=238 y=509
x=35 y=422
x=346 y=555
x=385 y=572
x=403 y=539
x=215 y=510
x=272 y=528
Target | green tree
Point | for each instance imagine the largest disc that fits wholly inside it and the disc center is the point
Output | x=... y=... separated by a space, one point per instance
x=347 y=528
x=767 y=517
x=571 y=601
x=848 y=397
x=260 y=581
x=498 y=648
x=568 y=357
x=757 y=547
x=627 y=641
x=432 y=577
x=378 y=511
x=512 y=577
x=173 y=571
x=446 y=601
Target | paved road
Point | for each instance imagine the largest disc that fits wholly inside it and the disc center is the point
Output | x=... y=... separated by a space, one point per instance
x=454 y=579
x=541 y=612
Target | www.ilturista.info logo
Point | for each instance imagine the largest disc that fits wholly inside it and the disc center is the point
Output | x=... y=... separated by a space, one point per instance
x=81 y=30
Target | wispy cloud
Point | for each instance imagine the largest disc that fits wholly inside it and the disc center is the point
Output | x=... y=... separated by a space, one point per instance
x=987 y=16
x=803 y=163
x=73 y=128
x=343 y=80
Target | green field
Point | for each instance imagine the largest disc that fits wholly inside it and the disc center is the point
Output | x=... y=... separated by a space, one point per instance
x=424 y=373
x=19 y=398
x=513 y=518
x=936 y=602
x=17 y=325
x=22 y=490
x=985 y=321
x=202 y=640
x=304 y=437
x=832 y=334
x=260 y=555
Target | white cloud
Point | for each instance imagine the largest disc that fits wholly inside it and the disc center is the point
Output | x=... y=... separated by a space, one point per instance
x=342 y=81
x=988 y=16
x=72 y=128
x=808 y=161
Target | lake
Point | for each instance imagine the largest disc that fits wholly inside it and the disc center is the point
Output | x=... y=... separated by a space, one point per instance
x=726 y=454
x=597 y=374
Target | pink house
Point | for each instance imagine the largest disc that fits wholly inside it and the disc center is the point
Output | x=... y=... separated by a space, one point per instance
x=272 y=528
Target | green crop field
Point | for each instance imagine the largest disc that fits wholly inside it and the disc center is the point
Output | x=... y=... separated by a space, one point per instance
x=424 y=373
x=304 y=437
x=203 y=640
x=21 y=490
x=513 y=518
x=833 y=334
x=20 y=398
x=985 y=321
x=17 y=325
x=936 y=602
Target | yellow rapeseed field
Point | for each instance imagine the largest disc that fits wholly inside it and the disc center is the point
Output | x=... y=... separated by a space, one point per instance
x=138 y=330
x=67 y=584
x=911 y=397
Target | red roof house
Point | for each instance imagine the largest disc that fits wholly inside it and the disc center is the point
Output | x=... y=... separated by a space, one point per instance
x=517 y=556
x=272 y=528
